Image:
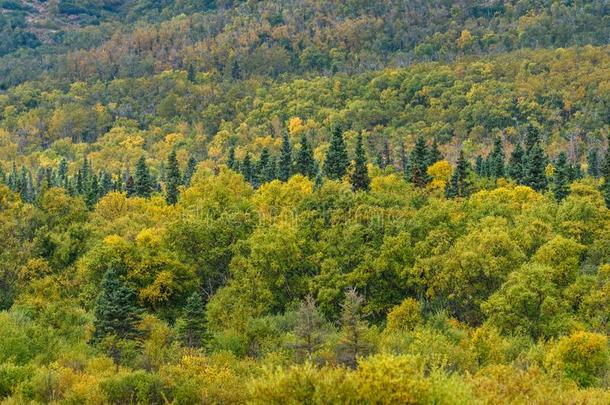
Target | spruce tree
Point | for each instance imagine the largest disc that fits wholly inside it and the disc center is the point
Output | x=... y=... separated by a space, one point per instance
x=535 y=161
x=143 y=182
x=516 y=165
x=337 y=161
x=496 y=160
x=130 y=187
x=173 y=179
x=561 y=177
x=309 y=330
x=404 y=162
x=261 y=167
x=191 y=167
x=246 y=168
x=605 y=173
x=2 y=175
x=434 y=155
x=360 y=176
x=191 y=75
x=593 y=163
x=459 y=185
x=478 y=166
x=116 y=313
x=353 y=341
x=285 y=164
x=62 y=173
x=305 y=163
x=419 y=163
x=231 y=158
x=92 y=192
x=191 y=326
x=106 y=183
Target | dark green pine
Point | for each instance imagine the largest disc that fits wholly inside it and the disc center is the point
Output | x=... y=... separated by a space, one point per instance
x=130 y=186
x=92 y=193
x=116 y=310
x=62 y=173
x=459 y=185
x=605 y=173
x=419 y=163
x=496 y=160
x=173 y=179
x=231 y=158
x=143 y=183
x=360 y=176
x=305 y=163
x=246 y=168
x=478 y=165
x=516 y=165
x=561 y=178
x=337 y=161
x=535 y=168
x=106 y=183
x=191 y=326
x=593 y=163
x=434 y=155
x=191 y=167
x=285 y=163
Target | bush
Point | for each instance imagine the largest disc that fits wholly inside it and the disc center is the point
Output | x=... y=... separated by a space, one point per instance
x=134 y=387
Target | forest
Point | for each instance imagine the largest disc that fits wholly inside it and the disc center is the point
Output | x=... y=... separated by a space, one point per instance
x=304 y=201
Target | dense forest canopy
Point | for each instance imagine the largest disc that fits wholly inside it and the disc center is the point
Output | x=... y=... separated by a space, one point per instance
x=304 y=201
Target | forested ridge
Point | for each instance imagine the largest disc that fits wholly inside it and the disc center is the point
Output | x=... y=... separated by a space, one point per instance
x=304 y=201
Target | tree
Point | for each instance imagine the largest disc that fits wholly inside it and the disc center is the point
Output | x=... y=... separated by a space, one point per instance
x=231 y=158
x=143 y=183
x=605 y=172
x=191 y=74
x=434 y=155
x=191 y=166
x=62 y=173
x=535 y=161
x=309 y=329
x=337 y=161
x=246 y=168
x=561 y=178
x=419 y=163
x=360 y=176
x=116 y=314
x=593 y=163
x=130 y=187
x=262 y=167
x=354 y=341
x=459 y=185
x=173 y=179
x=516 y=166
x=305 y=163
x=285 y=164
x=496 y=159
x=191 y=326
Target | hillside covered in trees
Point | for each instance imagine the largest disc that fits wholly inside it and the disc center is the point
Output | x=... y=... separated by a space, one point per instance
x=304 y=201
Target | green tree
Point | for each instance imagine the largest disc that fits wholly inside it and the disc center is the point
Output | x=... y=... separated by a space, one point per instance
x=143 y=183
x=496 y=159
x=173 y=179
x=360 y=176
x=305 y=163
x=434 y=155
x=516 y=166
x=561 y=178
x=246 y=168
x=419 y=163
x=116 y=314
x=191 y=326
x=605 y=173
x=535 y=161
x=593 y=163
x=231 y=158
x=459 y=185
x=337 y=161
x=191 y=166
x=285 y=164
